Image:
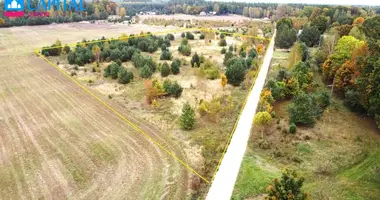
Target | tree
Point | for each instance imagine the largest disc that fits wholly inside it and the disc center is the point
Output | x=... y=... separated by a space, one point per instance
x=343 y=30
x=175 y=66
x=170 y=36
x=185 y=50
x=235 y=72
x=262 y=118
x=165 y=70
x=125 y=76
x=343 y=52
x=145 y=72
x=321 y=23
x=223 y=80
x=187 y=120
x=189 y=36
x=122 y=12
x=285 y=37
x=2 y=22
x=252 y=53
x=222 y=42
x=227 y=57
x=172 y=88
x=166 y=55
x=357 y=33
x=310 y=36
x=195 y=59
x=304 y=109
x=96 y=52
x=289 y=187
x=115 y=54
x=358 y=21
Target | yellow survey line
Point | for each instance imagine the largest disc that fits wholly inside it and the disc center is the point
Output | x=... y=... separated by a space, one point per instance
x=137 y=128
x=237 y=120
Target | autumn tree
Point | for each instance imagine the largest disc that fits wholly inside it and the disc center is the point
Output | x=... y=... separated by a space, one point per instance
x=96 y=52
x=187 y=119
x=343 y=30
x=223 y=80
x=342 y=53
x=262 y=119
x=122 y=12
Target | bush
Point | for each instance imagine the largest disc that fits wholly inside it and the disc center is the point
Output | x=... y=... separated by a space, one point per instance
x=235 y=73
x=209 y=69
x=352 y=100
x=189 y=36
x=170 y=37
x=183 y=35
x=324 y=100
x=292 y=128
x=304 y=109
x=185 y=50
x=175 y=66
x=165 y=70
x=187 y=120
x=222 y=43
x=227 y=57
x=223 y=51
x=172 y=88
x=231 y=48
x=222 y=36
x=243 y=54
x=125 y=76
x=115 y=54
x=202 y=36
x=166 y=55
x=252 y=53
x=145 y=72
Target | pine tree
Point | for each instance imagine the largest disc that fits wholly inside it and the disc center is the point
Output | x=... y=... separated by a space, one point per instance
x=187 y=120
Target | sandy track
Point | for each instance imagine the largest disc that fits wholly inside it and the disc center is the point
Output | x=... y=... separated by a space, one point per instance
x=57 y=142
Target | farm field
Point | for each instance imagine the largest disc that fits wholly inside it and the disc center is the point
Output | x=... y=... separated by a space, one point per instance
x=57 y=142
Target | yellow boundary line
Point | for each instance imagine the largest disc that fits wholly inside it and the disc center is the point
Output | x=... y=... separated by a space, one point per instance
x=134 y=126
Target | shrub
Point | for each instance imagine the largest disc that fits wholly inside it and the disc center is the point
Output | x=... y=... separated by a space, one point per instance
x=183 y=35
x=115 y=54
x=235 y=73
x=125 y=76
x=292 y=128
x=185 y=50
x=170 y=37
x=163 y=47
x=223 y=51
x=227 y=57
x=175 y=66
x=288 y=185
x=187 y=120
x=324 y=100
x=209 y=69
x=184 y=41
x=172 y=88
x=304 y=109
x=195 y=60
x=202 y=36
x=243 y=54
x=252 y=53
x=165 y=70
x=222 y=36
x=189 y=36
x=145 y=72
x=352 y=100
x=231 y=48
x=166 y=55
x=222 y=42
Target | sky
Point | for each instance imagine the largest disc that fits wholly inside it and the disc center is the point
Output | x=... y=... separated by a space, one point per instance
x=338 y=2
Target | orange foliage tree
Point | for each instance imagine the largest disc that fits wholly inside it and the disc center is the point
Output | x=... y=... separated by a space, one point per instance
x=153 y=90
x=358 y=21
x=266 y=101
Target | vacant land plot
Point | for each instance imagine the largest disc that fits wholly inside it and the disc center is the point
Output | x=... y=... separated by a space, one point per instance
x=216 y=105
x=57 y=142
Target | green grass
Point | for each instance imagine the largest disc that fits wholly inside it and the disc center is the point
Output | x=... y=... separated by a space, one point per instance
x=252 y=179
x=304 y=148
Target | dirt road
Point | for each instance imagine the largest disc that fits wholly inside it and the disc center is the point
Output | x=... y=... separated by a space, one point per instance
x=224 y=181
x=57 y=142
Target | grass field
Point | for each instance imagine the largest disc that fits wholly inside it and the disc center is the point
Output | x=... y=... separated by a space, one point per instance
x=339 y=156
